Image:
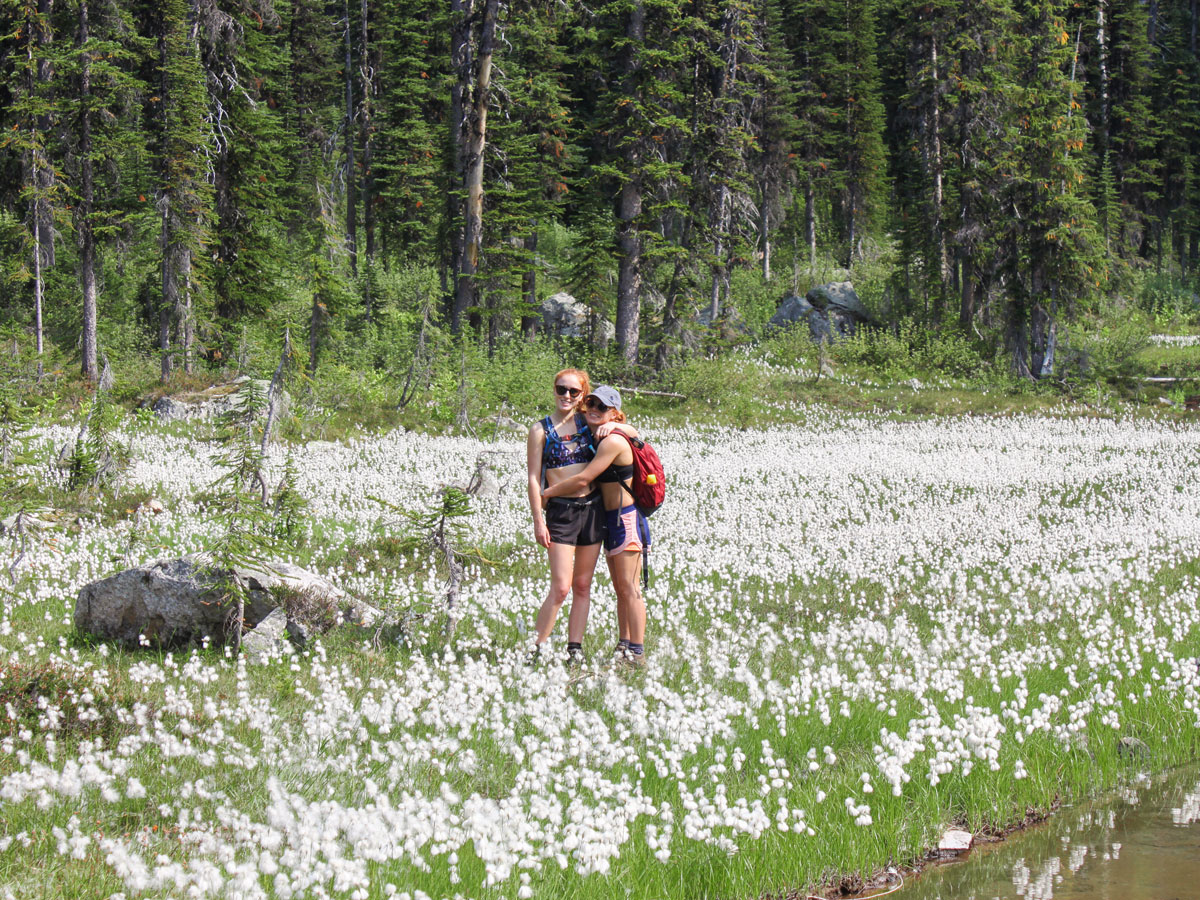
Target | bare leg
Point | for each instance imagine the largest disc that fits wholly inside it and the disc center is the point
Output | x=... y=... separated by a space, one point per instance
x=626 y=570
x=562 y=562
x=581 y=590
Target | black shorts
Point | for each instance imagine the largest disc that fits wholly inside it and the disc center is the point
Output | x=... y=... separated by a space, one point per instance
x=576 y=521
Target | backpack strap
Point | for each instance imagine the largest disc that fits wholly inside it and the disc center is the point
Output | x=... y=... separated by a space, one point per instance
x=628 y=488
x=643 y=528
x=547 y=432
x=581 y=426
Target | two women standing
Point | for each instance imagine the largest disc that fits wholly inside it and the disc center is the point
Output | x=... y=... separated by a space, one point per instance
x=580 y=466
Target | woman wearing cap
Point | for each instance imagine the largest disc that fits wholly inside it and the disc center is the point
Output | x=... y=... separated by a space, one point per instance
x=627 y=533
x=560 y=446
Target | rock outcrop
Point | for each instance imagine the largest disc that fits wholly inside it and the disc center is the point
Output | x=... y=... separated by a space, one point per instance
x=831 y=311
x=172 y=602
x=214 y=401
x=564 y=316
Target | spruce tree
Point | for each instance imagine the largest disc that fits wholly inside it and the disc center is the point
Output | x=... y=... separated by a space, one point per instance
x=32 y=113
x=531 y=162
x=410 y=174
x=184 y=193
x=1056 y=254
x=776 y=130
x=639 y=116
x=100 y=139
x=1128 y=133
x=244 y=64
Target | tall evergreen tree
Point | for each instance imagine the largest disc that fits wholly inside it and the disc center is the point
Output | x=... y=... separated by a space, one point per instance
x=101 y=136
x=1124 y=125
x=241 y=56
x=31 y=115
x=184 y=150
x=1056 y=255
x=1177 y=111
x=531 y=161
x=776 y=129
x=410 y=157
x=639 y=117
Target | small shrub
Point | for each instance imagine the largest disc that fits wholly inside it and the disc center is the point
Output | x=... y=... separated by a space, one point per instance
x=727 y=383
x=912 y=348
x=314 y=610
x=46 y=696
x=1111 y=347
x=790 y=347
x=1169 y=300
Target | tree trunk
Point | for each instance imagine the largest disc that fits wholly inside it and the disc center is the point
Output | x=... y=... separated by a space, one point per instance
x=764 y=226
x=719 y=266
x=629 y=205
x=83 y=213
x=935 y=146
x=670 y=318
x=44 y=175
x=38 y=288
x=369 y=67
x=351 y=171
x=810 y=223
x=467 y=291
x=1016 y=339
x=966 y=308
x=530 y=319
x=169 y=296
x=1043 y=338
x=187 y=322
x=1102 y=52
x=460 y=65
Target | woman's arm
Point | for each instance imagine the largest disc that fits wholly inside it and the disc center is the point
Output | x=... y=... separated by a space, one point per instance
x=533 y=463
x=604 y=456
x=608 y=428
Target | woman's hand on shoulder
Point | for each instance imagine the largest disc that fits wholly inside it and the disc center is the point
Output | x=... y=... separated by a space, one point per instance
x=622 y=428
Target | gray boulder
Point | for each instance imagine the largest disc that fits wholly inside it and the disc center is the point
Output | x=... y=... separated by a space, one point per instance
x=564 y=316
x=172 y=602
x=831 y=311
x=793 y=309
x=839 y=296
x=268 y=638
x=215 y=401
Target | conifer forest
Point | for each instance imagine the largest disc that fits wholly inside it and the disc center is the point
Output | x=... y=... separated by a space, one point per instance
x=175 y=172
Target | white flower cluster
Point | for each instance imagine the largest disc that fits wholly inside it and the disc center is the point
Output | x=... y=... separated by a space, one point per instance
x=839 y=606
x=1175 y=340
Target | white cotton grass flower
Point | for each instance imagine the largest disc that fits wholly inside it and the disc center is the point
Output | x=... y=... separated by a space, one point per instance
x=1008 y=610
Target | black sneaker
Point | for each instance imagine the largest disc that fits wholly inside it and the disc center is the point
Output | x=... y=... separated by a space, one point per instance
x=534 y=656
x=575 y=658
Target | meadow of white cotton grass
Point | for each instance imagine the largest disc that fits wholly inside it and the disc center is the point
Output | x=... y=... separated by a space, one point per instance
x=860 y=630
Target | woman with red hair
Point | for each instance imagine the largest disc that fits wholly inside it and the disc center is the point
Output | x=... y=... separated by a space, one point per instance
x=571 y=527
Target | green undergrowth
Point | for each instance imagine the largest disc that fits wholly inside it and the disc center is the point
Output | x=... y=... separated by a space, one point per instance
x=905 y=370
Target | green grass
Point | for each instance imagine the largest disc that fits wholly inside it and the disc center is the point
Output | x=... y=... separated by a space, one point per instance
x=776 y=862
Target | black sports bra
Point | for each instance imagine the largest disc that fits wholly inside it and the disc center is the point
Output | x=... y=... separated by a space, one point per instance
x=615 y=473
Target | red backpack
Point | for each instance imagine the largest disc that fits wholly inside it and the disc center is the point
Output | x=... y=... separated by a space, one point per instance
x=649 y=482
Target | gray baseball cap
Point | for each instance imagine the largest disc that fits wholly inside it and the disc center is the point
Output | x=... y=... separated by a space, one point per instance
x=607 y=395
